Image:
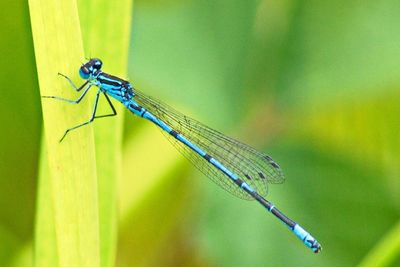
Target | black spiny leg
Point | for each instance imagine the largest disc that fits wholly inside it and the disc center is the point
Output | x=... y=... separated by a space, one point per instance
x=93 y=114
x=114 y=112
x=89 y=121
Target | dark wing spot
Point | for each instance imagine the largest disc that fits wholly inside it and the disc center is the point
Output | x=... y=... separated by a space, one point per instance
x=272 y=162
x=262 y=176
x=276 y=166
x=268 y=158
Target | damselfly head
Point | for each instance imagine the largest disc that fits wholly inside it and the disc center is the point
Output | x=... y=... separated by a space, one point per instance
x=90 y=68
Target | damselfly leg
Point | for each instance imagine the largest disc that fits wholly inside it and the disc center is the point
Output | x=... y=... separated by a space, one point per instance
x=93 y=117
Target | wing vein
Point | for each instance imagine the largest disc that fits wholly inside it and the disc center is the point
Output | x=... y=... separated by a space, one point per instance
x=252 y=166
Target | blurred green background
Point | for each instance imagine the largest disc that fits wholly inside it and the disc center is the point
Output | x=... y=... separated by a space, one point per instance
x=314 y=84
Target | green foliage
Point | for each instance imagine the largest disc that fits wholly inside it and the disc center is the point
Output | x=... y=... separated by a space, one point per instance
x=314 y=84
x=316 y=79
x=107 y=36
x=72 y=181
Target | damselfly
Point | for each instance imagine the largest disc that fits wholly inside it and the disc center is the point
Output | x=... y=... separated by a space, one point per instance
x=238 y=168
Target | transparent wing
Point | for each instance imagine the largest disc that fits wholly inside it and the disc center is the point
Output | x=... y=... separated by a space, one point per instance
x=252 y=166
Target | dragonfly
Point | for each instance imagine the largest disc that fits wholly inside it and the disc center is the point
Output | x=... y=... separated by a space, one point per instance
x=236 y=167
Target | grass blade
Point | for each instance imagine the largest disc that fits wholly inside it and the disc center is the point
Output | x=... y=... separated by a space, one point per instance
x=72 y=167
x=107 y=36
x=386 y=251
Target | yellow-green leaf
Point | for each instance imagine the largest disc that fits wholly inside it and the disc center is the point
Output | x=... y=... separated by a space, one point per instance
x=72 y=163
x=106 y=36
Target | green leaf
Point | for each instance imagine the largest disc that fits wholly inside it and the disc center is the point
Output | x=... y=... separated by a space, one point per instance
x=72 y=163
x=106 y=36
x=21 y=121
x=45 y=249
x=386 y=251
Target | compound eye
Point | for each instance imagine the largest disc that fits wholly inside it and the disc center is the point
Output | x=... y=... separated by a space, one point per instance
x=84 y=72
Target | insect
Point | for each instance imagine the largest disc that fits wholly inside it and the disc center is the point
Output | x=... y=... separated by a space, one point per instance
x=236 y=167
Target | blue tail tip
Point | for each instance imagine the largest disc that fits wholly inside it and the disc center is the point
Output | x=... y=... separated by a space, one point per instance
x=316 y=247
x=307 y=239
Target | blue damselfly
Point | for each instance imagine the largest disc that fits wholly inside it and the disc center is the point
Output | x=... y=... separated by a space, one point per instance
x=236 y=167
